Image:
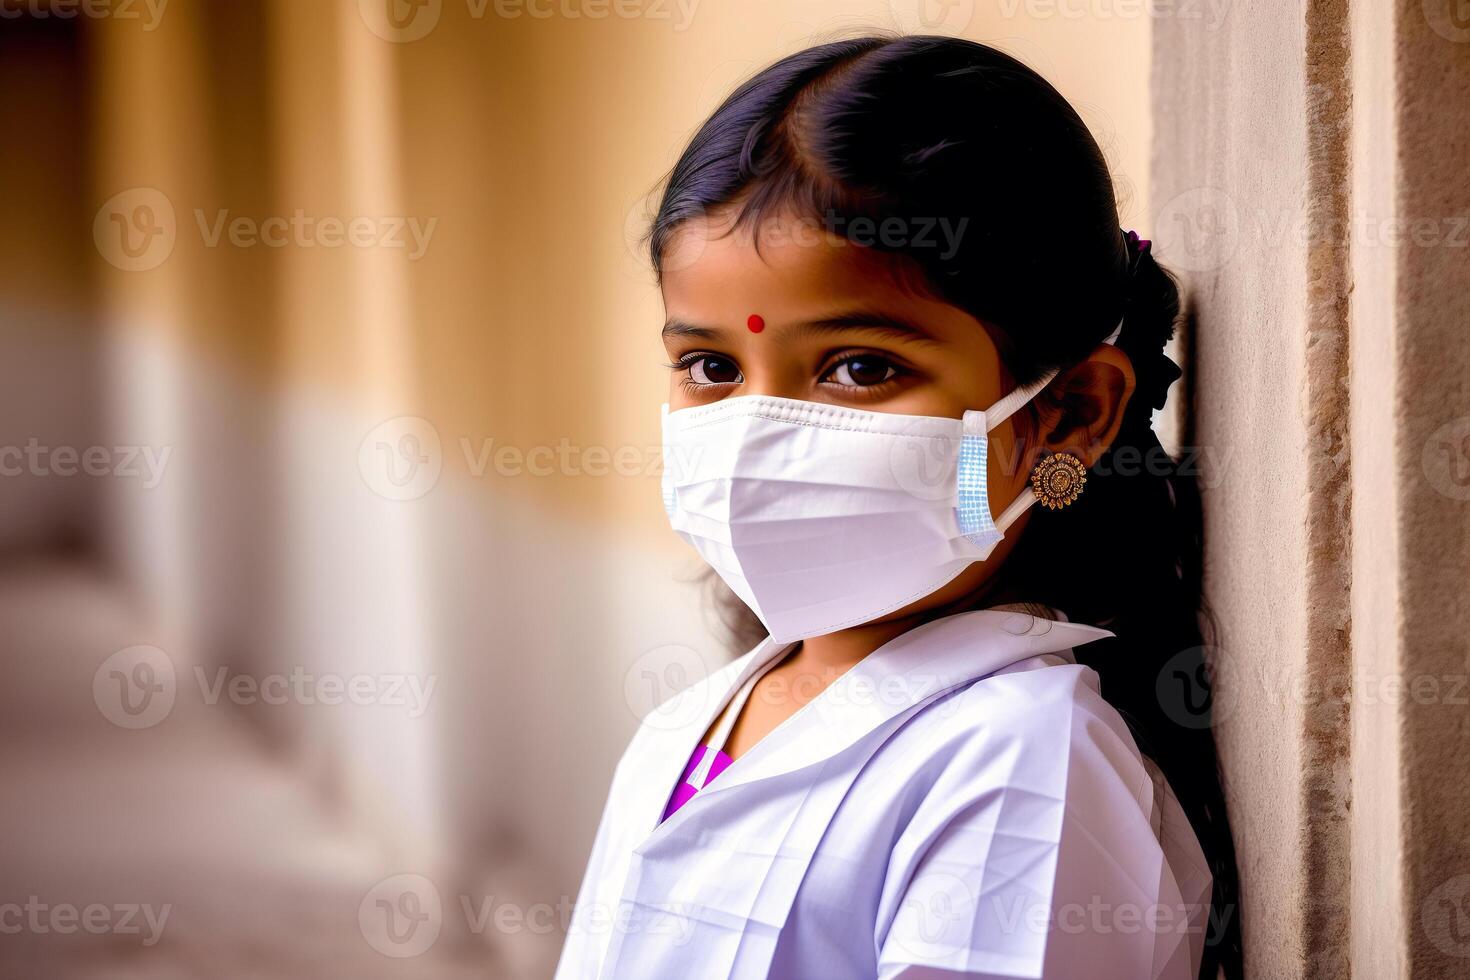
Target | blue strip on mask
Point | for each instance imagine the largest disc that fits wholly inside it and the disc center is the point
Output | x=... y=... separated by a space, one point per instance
x=975 y=520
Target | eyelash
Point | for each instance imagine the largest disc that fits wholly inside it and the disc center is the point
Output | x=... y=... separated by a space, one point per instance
x=833 y=362
x=878 y=390
x=688 y=361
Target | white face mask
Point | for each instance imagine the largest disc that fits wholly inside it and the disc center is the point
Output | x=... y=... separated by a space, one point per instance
x=821 y=517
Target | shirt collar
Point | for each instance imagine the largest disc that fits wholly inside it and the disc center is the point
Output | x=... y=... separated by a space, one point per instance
x=919 y=665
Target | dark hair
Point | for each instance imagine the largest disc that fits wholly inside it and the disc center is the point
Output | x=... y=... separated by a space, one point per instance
x=936 y=129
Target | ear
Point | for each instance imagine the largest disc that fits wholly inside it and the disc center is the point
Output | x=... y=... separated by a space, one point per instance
x=1081 y=411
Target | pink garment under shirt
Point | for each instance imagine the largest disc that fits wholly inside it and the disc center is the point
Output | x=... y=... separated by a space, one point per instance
x=691 y=782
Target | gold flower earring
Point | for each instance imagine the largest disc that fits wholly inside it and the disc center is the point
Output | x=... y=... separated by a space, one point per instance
x=1058 y=480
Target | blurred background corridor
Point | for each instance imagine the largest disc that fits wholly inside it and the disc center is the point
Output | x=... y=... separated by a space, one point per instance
x=333 y=575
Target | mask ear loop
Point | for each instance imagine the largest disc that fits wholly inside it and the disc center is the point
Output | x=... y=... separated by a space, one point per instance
x=1007 y=407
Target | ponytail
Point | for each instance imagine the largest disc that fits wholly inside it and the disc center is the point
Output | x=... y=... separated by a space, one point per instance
x=1142 y=519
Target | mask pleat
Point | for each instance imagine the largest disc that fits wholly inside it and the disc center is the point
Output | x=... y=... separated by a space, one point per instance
x=823 y=517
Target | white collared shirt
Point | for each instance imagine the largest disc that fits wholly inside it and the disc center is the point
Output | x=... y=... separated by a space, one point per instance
x=961 y=802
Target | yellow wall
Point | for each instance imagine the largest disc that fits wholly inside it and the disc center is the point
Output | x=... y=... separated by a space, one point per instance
x=535 y=141
x=531 y=318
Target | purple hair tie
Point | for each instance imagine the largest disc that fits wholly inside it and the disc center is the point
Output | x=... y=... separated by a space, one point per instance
x=1137 y=248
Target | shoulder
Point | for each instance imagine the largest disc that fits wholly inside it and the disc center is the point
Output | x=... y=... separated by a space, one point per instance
x=1036 y=835
x=1009 y=721
x=1041 y=752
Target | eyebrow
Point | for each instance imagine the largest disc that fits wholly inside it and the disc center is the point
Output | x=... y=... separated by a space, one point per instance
x=876 y=320
x=890 y=323
x=678 y=328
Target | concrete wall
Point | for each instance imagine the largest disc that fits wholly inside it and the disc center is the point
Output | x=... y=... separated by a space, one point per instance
x=1309 y=184
x=1423 y=392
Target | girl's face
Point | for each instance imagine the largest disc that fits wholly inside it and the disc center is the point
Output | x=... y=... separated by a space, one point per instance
x=835 y=326
x=812 y=316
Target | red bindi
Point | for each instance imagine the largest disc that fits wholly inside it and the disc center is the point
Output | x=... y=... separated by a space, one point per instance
x=755 y=323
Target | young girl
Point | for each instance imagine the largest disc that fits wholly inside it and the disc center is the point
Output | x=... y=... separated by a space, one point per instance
x=900 y=312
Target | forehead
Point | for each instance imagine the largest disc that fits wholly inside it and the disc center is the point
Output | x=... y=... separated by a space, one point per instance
x=782 y=266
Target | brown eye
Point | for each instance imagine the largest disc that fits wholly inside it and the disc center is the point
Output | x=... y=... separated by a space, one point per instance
x=862 y=371
x=712 y=369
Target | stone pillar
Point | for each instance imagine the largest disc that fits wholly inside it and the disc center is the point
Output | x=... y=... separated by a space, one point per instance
x=1310 y=183
x=1411 y=520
